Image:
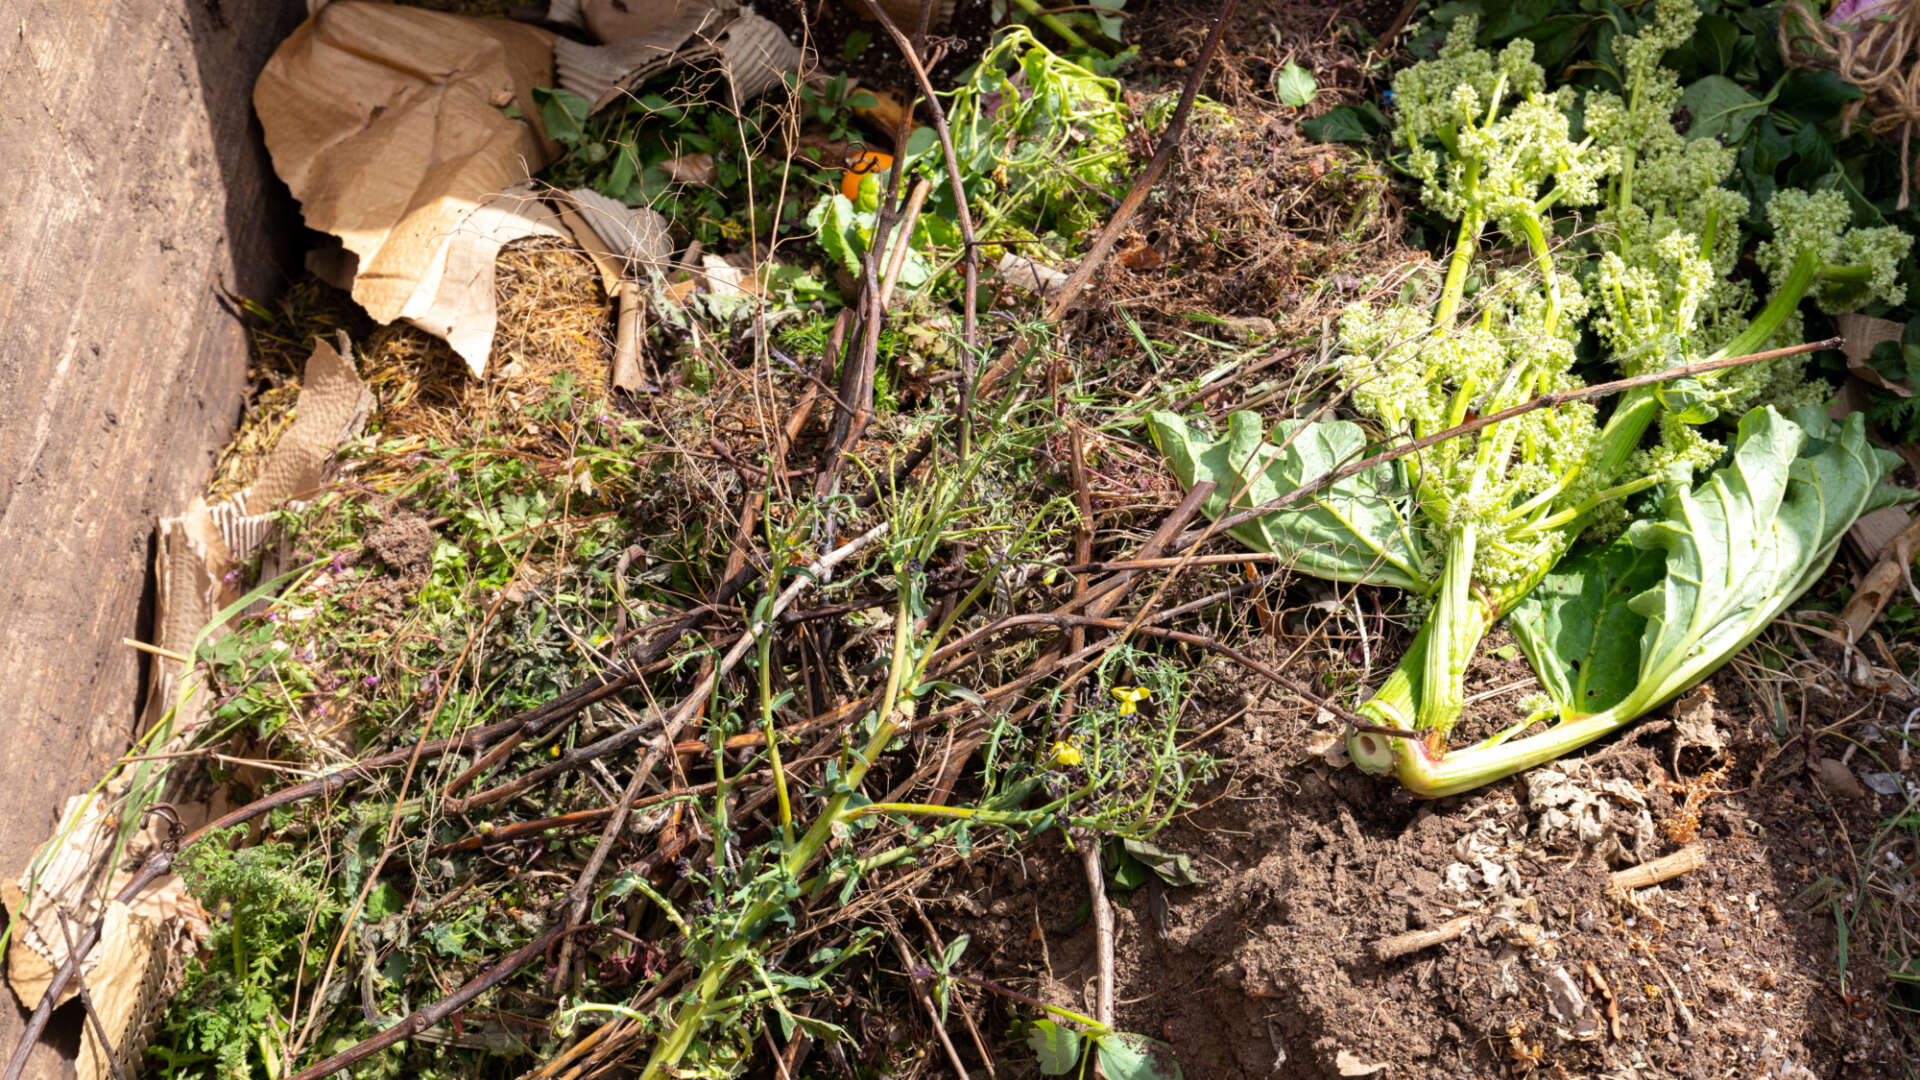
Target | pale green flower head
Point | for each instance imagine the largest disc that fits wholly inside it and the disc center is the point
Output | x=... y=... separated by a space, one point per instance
x=1815 y=224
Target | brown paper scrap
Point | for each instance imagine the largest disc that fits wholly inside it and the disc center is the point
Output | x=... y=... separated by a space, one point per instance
x=381 y=120
x=754 y=53
x=636 y=235
x=611 y=21
x=456 y=301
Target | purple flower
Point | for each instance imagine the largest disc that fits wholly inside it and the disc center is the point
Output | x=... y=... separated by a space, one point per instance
x=1850 y=14
x=371 y=681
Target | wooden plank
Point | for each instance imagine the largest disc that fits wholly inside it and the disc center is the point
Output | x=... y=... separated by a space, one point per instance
x=137 y=186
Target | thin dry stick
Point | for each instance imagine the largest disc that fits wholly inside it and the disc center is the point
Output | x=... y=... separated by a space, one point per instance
x=926 y=1003
x=1666 y=867
x=969 y=319
x=155 y=867
x=1102 y=931
x=903 y=241
x=93 y=1014
x=966 y=1014
x=423 y=1019
x=1414 y=940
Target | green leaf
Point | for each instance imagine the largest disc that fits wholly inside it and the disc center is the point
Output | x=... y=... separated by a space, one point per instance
x=1720 y=108
x=1294 y=85
x=1170 y=866
x=1816 y=95
x=852 y=49
x=1357 y=530
x=1057 y=1048
x=562 y=115
x=1127 y=873
x=1731 y=555
x=1716 y=41
x=839 y=235
x=383 y=901
x=1126 y=1056
x=1341 y=124
x=1578 y=632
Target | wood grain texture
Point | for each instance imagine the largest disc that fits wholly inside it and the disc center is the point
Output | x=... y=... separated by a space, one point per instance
x=136 y=187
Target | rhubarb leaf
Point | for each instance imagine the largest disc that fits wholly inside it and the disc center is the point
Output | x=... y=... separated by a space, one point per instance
x=1356 y=530
x=1693 y=588
x=1576 y=627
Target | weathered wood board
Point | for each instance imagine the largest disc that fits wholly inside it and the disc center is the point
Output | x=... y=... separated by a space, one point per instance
x=134 y=188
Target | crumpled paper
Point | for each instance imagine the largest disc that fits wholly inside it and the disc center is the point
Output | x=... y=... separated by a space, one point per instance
x=138 y=960
x=391 y=126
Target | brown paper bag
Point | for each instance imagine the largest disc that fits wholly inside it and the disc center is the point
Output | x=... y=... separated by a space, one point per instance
x=390 y=124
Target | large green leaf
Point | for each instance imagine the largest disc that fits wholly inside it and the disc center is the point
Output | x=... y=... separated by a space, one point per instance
x=1358 y=529
x=1690 y=590
x=1720 y=108
x=1577 y=629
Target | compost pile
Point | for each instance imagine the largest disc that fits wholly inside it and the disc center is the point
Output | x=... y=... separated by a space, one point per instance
x=900 y=540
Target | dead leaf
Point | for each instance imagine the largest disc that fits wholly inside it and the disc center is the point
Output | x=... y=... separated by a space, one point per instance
x=1892 y=569
x=1863 y=332
x=1139 y=256
x=691 y=169
x=1033 y=277
x=1693 y=721
x=1328 y=747
x=885 y=113
x=1833 y=775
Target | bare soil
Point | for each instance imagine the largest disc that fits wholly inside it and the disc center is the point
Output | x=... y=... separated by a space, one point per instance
x=1268 y=970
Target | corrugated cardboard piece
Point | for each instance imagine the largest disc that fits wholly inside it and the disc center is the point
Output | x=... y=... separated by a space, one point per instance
x=390 y=125
x=142 y=945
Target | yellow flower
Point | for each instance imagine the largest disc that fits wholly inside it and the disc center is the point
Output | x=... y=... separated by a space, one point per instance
x=1130 y=698
x=1066 y=755
x=553 y=751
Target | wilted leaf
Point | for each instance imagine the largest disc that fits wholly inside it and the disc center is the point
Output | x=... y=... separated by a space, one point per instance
x=1170 y=866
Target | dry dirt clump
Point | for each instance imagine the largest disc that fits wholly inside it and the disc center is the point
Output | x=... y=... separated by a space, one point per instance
x=405 y=543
